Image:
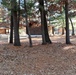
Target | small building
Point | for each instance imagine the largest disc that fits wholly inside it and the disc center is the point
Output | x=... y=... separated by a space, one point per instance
x=35 y=28
x=4 y=28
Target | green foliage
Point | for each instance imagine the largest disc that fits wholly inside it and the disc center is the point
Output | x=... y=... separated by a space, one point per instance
x=30 y=6
x=10 y=4
x=6 y=4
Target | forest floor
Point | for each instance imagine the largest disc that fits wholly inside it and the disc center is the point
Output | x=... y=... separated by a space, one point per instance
x=51 y=59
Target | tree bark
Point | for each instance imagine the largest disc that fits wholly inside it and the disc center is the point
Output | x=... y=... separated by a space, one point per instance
x=44 y=27
x=46 y=30
x=72 y=27
x=11 y=25
x=16 y=26
x=11 y=29
x=67 y=23
x=18 y=13
x=27 y=24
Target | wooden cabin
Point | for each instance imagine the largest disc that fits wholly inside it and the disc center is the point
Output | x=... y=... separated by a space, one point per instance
x=35 y=28
x=4 y=28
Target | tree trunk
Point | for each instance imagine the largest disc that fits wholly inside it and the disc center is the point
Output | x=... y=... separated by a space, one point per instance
x=72 y=27
x=67 y=23
x=16 y=26
x=53 y=30
x=46 y=30
x=11 y=25
x=11 y=29
x=63 y=28
x=44 y=27
x=18 y=13
x=27 y=25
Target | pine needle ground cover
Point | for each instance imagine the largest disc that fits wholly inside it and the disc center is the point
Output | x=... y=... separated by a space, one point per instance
x=51 y=59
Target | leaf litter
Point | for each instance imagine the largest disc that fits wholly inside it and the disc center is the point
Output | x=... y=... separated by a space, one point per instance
x=51 y=59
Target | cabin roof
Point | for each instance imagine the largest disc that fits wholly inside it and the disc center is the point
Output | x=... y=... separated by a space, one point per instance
x=3 y=24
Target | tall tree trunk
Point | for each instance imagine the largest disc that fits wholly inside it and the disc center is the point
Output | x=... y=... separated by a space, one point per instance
x=46 y=30
x=11 y=25
x=72 y=27
x=11 y=29
x=27 y=25
x=16 y=26
x=42 y=28
x=45 y=35
x=67 y=23
x=18 y=13
x=63 y=29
